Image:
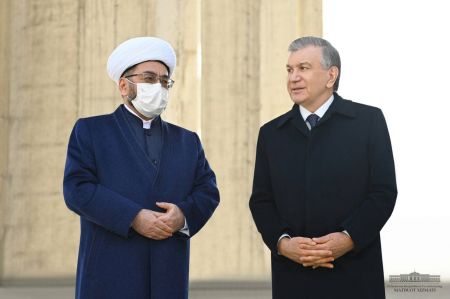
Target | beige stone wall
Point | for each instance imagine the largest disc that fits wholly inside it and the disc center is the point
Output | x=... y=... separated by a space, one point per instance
x=38 y=234
x=230 y=79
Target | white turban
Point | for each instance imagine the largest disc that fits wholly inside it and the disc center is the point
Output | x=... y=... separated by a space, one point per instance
x=137 y=50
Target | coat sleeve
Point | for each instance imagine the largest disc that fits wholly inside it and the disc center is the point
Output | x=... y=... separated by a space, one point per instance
x=84 y=194
x=262 y=204
x=365 y=224
x=204 y=198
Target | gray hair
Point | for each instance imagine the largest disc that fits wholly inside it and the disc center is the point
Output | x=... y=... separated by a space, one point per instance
x=330 y=56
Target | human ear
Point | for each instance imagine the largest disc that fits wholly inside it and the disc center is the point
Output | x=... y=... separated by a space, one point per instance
x=333 y=73
x=123 y=87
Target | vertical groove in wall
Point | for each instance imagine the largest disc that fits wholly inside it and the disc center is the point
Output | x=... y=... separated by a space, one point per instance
x=198 y=75
x=4 y=118
x=80 y=31
x=253 y=48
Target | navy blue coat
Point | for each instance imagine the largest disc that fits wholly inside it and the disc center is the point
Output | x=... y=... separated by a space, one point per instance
x=338 y=176
x=108 y=179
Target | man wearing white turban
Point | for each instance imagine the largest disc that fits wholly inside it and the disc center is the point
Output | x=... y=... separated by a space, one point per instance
x=141 y=186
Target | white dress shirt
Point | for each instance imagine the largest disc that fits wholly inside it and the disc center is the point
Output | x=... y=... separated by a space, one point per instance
x=319 y=112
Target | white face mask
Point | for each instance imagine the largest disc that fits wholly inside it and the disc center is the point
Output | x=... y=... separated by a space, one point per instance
x=151 y=99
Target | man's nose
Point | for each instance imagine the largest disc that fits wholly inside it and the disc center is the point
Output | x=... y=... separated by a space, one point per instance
x=295 y=76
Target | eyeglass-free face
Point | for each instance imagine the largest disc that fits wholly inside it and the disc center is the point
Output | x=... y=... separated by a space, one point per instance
x=309 y=84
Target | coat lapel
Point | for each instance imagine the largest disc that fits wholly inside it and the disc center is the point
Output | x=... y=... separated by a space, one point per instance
x=137 y=155
x=339 y=106
x=294 y=117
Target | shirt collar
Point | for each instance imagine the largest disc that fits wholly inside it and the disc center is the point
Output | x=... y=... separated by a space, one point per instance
x=319 y=112
x=146 y=124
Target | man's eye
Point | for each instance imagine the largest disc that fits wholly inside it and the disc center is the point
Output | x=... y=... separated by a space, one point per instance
x=149 y=78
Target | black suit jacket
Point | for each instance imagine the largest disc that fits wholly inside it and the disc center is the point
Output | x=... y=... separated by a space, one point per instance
x=338 y=176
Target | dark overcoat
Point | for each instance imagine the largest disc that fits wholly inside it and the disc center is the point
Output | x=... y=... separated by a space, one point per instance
x=338 y=176
x=107 y=180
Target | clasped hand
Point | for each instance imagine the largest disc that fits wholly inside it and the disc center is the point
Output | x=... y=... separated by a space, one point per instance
x=157 y=225
x=316 y=252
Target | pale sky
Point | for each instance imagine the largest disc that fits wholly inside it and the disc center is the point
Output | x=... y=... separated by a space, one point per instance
x=395 y=55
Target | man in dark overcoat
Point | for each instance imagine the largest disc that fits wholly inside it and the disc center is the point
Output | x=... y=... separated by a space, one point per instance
x=324 y=184
x=141 y=186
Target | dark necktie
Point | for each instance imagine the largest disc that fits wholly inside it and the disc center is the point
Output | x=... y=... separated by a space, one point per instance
x=313 y=119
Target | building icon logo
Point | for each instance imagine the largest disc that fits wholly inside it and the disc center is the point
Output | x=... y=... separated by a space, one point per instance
x=414 y=282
